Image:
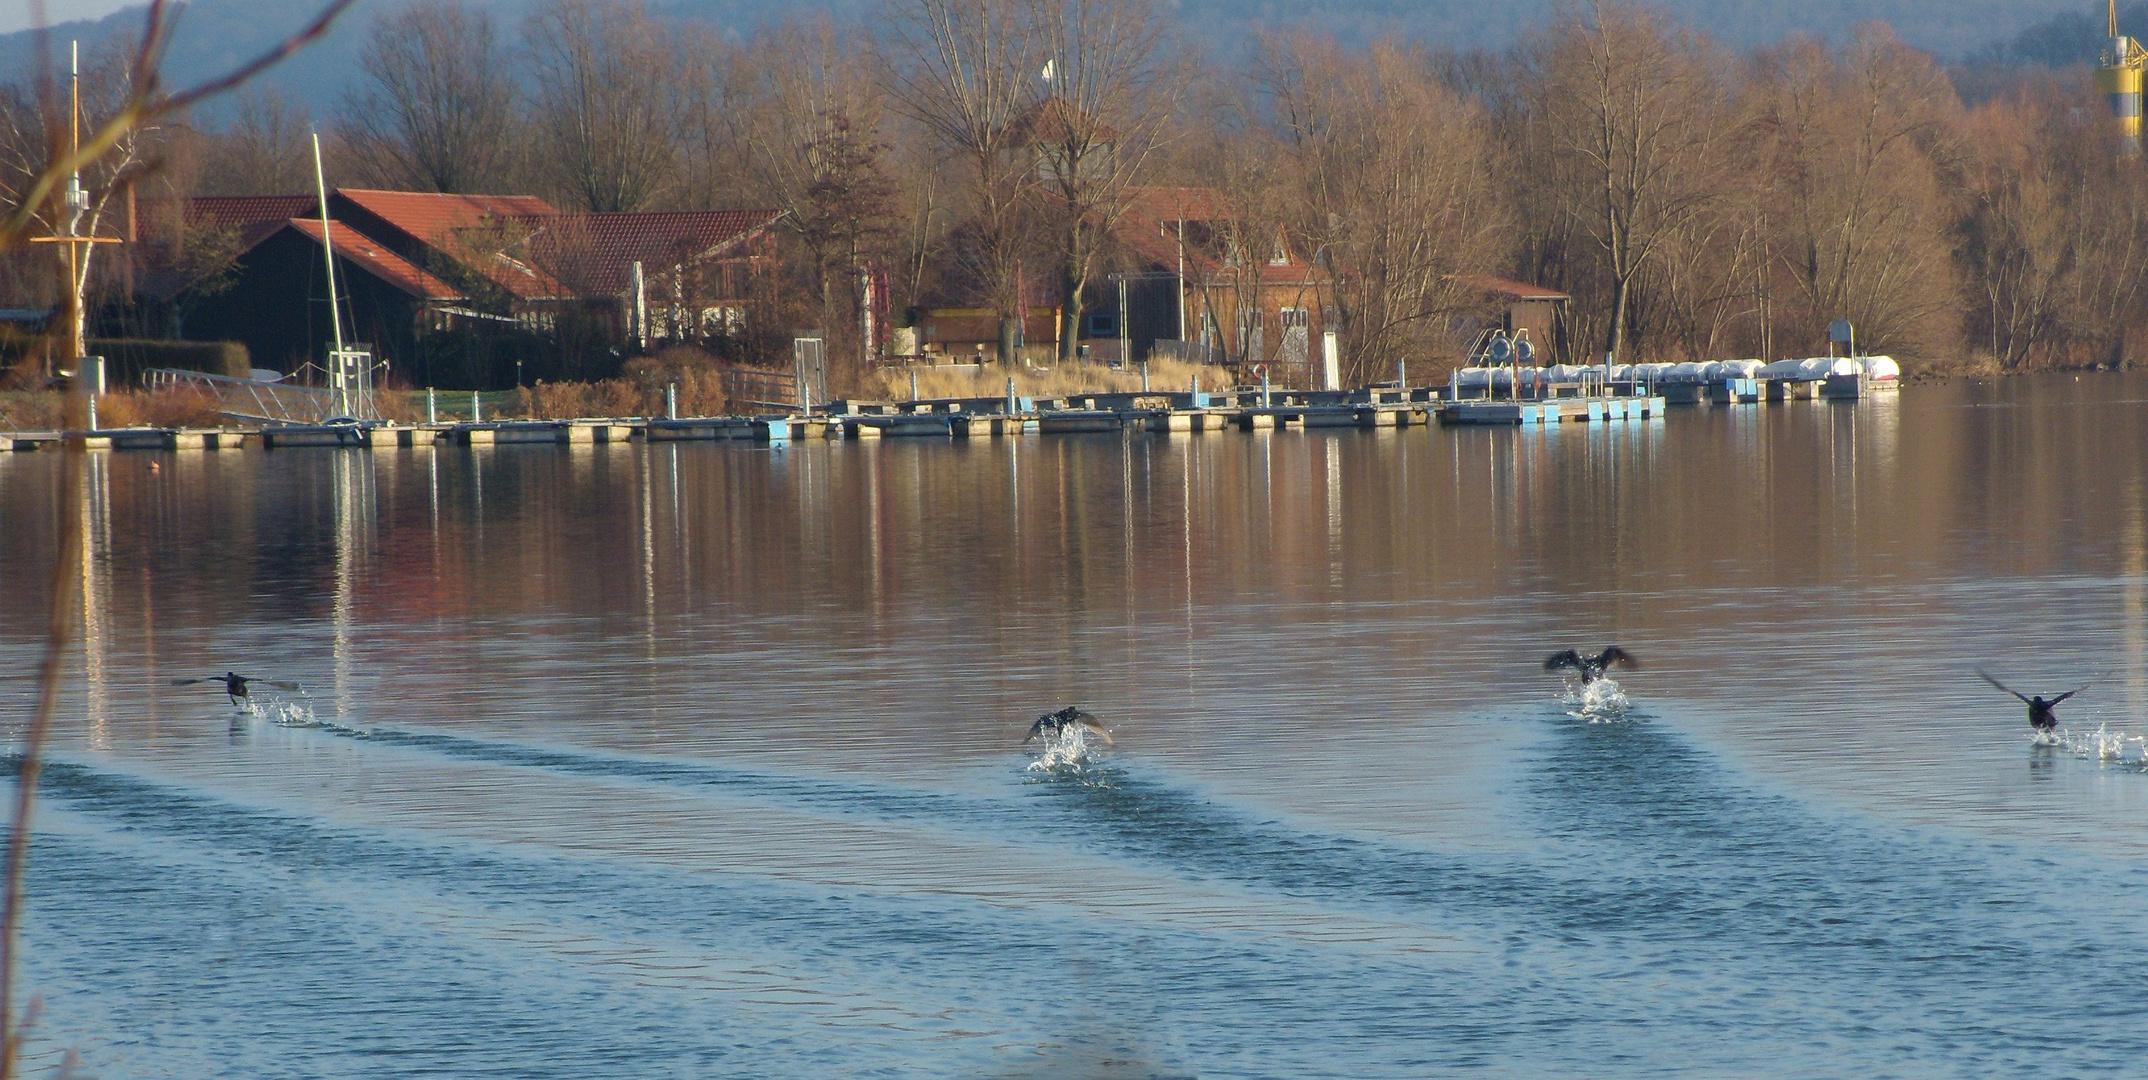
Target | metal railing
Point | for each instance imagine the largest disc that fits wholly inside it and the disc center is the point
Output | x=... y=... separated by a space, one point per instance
x=250 y=399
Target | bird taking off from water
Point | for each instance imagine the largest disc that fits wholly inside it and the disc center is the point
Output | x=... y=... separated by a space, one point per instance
x=1591 y=668
x=1055 y=724
x=235 y=684
x=2040 y=716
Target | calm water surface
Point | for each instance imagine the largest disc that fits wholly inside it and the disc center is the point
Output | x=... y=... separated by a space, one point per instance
x=689 y=761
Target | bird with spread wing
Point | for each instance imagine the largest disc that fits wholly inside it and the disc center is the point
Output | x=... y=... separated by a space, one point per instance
x=235 y=684
x=2040 y=715
x=1591 y=668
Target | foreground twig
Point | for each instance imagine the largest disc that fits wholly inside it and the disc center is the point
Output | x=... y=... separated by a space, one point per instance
x=146 y=102
x=66 y=586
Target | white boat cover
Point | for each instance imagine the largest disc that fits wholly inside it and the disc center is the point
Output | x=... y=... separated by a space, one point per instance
x=1780 y=369
x=1742 y=369
x=1814 y=368
x=1882 y=367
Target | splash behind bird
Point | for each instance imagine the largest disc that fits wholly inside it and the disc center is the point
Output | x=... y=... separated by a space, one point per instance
x=1065 y=735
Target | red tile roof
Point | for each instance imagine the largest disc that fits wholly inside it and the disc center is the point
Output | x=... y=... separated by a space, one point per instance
x=594 y=251
x=242 y=211
x=433 y=220
x=1149 y=229
x=430 y=217
x=377 y=260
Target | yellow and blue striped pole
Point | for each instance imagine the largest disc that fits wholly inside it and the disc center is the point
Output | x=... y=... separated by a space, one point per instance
x=2122 y=85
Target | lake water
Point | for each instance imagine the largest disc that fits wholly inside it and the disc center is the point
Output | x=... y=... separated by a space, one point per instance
x=707 y=760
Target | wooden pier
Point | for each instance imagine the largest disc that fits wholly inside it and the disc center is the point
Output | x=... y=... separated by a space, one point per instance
x=1168 y=413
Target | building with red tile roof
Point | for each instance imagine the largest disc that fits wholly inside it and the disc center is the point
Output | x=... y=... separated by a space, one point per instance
x=363 y=254
x=480 y=234
x=411 y=263
x=242 y=212
x=277 y=302
x=1238 y=302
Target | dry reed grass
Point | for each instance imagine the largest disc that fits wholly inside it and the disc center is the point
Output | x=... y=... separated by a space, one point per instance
x=168 y=408
x=42 y=410
x=32 y=410
x=990 y=380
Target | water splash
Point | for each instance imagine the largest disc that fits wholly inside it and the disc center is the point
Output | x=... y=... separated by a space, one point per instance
x=1598 y=701
x=2102 y=744
x=1068 y=752
x=278 y=711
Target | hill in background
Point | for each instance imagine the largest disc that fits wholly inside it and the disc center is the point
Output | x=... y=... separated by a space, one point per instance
x=217 y=34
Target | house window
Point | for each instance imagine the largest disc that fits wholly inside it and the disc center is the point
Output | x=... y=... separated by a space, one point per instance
x=1103 y=324
x=1293 y=316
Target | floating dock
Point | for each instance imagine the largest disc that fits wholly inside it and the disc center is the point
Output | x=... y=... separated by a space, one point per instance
x=1473 y=397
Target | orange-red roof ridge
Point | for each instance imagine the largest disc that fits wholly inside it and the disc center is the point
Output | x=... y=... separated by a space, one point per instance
x=386 y=265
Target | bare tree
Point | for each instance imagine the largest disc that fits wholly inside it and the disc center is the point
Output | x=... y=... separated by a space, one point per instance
x=1109 y=88
x=108 y=88
x=608 y=102
x=965 y=70
x=812 y=129
x=1861 y=218
x=1635 y=115
x=437 y=112
x=260 y=150
x=1393 y=190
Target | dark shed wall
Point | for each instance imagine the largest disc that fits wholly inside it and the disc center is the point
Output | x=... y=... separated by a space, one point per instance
x=278 y=306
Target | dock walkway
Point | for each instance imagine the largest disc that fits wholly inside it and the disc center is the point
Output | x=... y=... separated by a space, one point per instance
x=1159 y=412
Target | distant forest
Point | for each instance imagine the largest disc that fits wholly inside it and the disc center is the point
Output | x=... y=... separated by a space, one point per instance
x=1696 y=201
x=213 y=33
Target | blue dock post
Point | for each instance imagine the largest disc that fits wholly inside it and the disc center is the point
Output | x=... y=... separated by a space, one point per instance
x=432 y=415
x=476 y=409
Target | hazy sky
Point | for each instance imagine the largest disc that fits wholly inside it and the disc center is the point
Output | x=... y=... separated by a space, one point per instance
x=15 y=14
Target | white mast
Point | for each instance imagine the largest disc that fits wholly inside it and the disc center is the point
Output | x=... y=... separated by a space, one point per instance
x=338 y=379
x=77 y=201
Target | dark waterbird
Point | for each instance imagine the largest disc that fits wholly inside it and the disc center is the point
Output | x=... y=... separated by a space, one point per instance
x=1054 y=724
x=1591 y=668
x=235 y=684
x=2040 y=715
